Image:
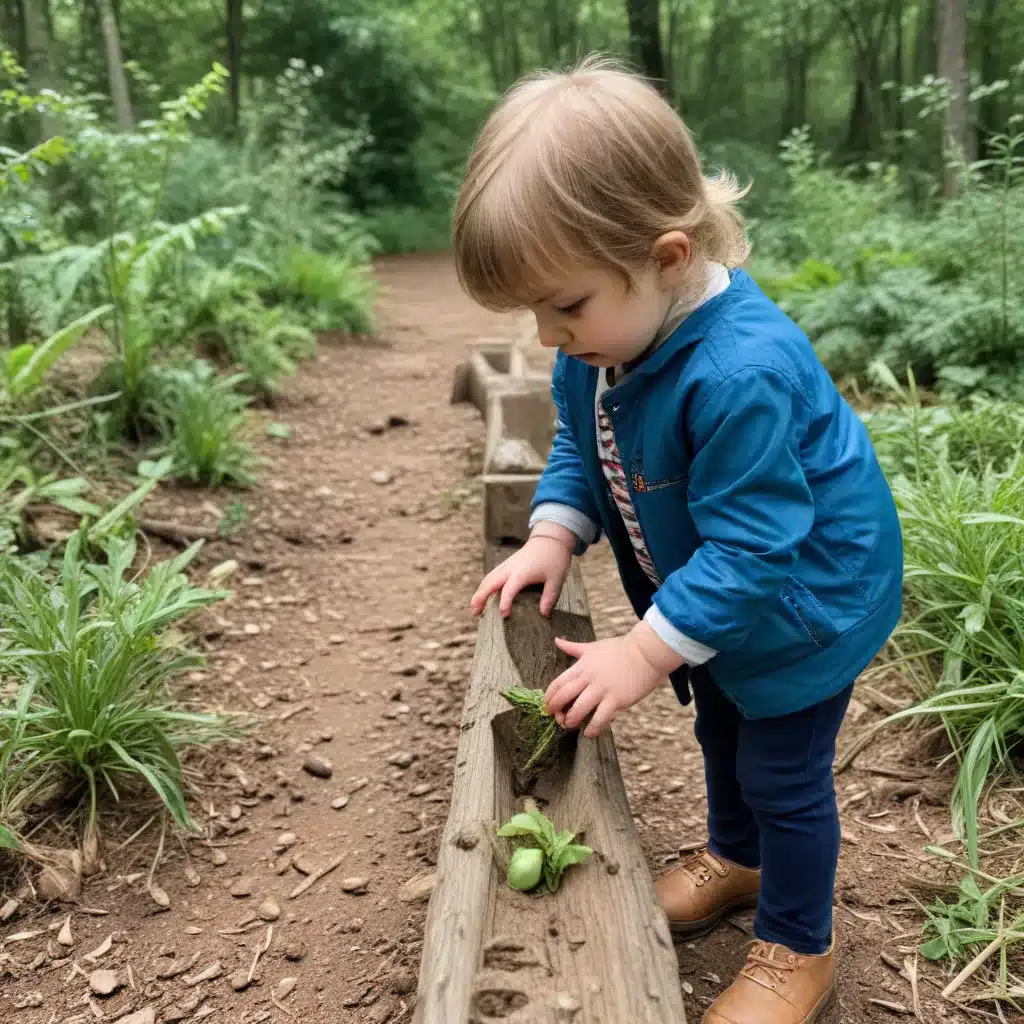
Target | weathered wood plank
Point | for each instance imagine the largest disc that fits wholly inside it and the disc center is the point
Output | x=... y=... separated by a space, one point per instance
x=596 y=952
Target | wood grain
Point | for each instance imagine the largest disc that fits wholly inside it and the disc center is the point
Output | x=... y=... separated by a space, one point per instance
x=596 y=952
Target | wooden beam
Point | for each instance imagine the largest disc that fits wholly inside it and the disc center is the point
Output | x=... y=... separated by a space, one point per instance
x=599 y=949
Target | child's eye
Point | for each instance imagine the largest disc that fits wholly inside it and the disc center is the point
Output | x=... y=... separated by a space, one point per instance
x=571 y=309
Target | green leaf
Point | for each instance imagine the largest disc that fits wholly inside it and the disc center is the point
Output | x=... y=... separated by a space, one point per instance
x=520 y=825
x=280 y=431
x=30 y=375
x=8 y=840
x=573 y=855
x=17 y=358
x=974 y=618
x=934 y=949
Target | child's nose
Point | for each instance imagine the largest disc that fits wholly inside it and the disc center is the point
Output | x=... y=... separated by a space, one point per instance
x=551 y=336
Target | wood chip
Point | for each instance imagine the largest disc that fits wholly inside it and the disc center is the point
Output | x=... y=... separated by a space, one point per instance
x=307 y=883
x=23 y=936
x=887 y=1004
x=178 y=967
x=209 y=973
x=101 y=950
x=8 y=910
x=260 y=950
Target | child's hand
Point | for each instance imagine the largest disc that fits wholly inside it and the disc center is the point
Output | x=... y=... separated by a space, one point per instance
x=544 y=558
x=608 y=677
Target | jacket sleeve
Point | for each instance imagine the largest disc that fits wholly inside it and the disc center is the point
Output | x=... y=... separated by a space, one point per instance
x=563 y=494
x=751 y=505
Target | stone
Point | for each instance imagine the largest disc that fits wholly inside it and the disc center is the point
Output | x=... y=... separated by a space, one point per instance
x=105 y=983
x=340 y=802
x=418 y=888
x=239 y=981
x=269 y=909
x=381 y=477
x=243 y=887
x=318 y=766
x=147 y=1015
x=403 y=759
x=355 y=884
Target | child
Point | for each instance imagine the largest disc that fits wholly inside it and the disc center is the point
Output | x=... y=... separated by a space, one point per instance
x=754 y=532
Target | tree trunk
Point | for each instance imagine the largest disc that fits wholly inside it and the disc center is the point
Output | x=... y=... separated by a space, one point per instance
x=959 y=139
x=988 y=119
x=898 y=57
x=39 y=59
x=645 y=39
x=115 y=67
x=234 y=40
x=925 y=41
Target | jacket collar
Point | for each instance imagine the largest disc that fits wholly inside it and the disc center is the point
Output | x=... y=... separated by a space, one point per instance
x=689 y=332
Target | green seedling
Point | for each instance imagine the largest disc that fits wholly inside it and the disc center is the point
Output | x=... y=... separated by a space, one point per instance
x=537 y=718
x=549 y=855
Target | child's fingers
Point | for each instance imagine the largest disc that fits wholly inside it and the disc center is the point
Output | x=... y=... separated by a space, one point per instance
x=492 y=582
x=582 y=706
x=571 y=673
x=603 y=717
x=548 y=600
x=515 y=582
x=573 y=649
x=566 y=694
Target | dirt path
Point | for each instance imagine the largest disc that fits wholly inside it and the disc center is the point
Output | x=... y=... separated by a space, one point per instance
x=348 y=638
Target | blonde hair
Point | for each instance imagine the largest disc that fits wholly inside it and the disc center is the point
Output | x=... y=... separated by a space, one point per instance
x=586 y=165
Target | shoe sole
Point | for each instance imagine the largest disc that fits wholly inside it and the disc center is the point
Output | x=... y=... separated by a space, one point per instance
x=702 y=927
x=825 y=1003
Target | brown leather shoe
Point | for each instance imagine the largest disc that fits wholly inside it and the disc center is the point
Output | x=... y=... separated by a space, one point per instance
x=777 y=986
x=703 y=889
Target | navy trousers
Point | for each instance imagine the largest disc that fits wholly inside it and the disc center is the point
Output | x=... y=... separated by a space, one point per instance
x=772 y=805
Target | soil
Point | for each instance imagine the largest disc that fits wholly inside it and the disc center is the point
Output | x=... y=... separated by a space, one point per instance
x=348 y=642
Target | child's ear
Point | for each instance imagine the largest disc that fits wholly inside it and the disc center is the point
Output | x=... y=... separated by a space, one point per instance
x=671 y=252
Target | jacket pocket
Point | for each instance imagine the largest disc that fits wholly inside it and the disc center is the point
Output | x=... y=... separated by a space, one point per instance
x=810 y=613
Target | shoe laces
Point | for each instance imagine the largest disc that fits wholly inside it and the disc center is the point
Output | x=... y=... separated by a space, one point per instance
x=702 y=866
x=769 y=963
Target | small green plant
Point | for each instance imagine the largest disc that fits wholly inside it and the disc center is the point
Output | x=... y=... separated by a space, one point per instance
x=91 y=661
x=539 y=722
x=550 y=854
x=332 y=292
x=201 y=414
x=234 y=520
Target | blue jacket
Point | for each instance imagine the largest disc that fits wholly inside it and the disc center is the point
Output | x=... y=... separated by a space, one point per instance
x=759 y=496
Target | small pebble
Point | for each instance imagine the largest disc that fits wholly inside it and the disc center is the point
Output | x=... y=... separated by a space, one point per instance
x=318 y=766
x=104 y=983
x=239 y=981
x=219 y=858
x=285 y=841
x=381 y=477
x=403 y=759
x=355 y=884
x=269 y=909
x=339 y=802
x=251 y=629
x=243 y=886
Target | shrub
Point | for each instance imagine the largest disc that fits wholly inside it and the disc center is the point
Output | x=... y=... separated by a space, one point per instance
x=201 y=415
x=90 y=660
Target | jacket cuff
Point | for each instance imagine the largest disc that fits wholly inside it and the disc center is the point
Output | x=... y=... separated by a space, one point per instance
x=565 y=515
x=693 y=652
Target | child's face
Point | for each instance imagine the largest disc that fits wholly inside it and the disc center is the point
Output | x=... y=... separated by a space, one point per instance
x=591 y=314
